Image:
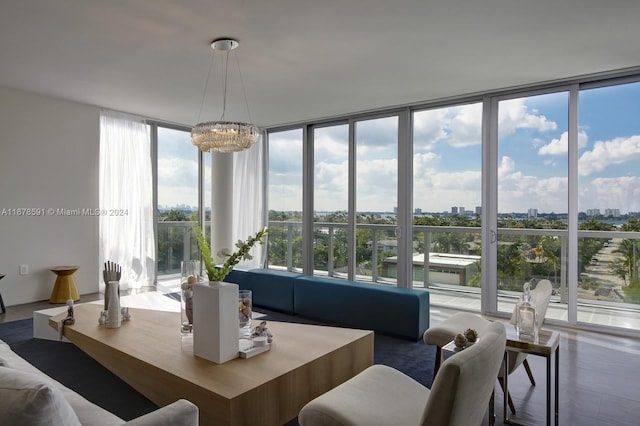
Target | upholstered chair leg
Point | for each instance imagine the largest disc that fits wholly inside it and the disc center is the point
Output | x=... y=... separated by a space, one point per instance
x=528 y=370
x=438 y=361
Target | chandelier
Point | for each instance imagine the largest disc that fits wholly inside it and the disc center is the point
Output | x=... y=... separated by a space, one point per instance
x=222 y=135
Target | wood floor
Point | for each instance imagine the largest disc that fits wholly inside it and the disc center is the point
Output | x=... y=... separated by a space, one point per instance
x=599 y=376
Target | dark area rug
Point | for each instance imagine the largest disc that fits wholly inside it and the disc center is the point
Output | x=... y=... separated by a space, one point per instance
x=413 y=358
x=70 y=366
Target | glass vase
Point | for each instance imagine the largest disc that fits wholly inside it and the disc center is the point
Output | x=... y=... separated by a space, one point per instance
x=245 y=307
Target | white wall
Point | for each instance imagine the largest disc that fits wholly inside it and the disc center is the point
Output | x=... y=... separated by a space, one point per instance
x=48 y=159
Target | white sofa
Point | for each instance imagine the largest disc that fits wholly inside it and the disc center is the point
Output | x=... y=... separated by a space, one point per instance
x=28 y=397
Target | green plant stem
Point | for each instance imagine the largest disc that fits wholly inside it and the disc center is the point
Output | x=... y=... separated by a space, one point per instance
x=218 y=274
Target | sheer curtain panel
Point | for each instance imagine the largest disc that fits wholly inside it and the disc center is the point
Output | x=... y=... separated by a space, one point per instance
x=249 y=214
x=126 y=198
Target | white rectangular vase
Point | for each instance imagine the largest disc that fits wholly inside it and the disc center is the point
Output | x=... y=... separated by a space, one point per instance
x=215 y=321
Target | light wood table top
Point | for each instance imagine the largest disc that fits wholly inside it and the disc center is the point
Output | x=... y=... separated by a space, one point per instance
x=268 y=389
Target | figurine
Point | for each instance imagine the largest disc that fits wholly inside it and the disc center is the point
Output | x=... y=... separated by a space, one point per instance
x=126 y=315
x=103 y=317
x=262 y=330
x=69 y=319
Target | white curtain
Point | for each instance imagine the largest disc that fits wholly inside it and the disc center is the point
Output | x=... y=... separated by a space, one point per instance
x=126 y=199
x=249 y=215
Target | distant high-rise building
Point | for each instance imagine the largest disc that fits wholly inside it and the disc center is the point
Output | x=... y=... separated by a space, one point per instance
x=461 y=210
x=454 y=210
x=478 y=210
x=593 y=212
x=612 y=212
x=417 y=211
x=532 y=213
x=395 y=210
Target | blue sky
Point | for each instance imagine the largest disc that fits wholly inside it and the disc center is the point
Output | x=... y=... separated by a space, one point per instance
x=532 y=158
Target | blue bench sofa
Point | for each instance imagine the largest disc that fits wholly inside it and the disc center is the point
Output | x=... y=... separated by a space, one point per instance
x=399 y=312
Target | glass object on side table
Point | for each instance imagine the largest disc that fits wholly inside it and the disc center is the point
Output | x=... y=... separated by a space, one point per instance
x=526 y=324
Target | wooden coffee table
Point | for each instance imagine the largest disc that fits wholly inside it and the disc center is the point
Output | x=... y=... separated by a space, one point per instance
x=268 y=389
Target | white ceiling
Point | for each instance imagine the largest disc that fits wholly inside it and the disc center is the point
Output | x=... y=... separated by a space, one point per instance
x=304 y=59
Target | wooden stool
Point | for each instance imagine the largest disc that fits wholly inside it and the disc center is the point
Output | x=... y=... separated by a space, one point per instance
x=65 y=286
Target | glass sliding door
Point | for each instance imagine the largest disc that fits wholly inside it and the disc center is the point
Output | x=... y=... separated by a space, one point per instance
x=447 y=194
x=285 y=200
x=178 y=201
x=330 y=200
x=609 y=206
x=376 y=199
x=533 y=197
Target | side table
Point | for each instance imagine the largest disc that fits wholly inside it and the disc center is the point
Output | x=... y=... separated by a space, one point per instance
x=2 y=308
x=547 y=345
x=65 y=286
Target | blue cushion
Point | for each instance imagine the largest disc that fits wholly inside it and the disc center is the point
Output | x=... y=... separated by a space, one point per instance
x=390 y=310
x=238 y=276
x=272 y=289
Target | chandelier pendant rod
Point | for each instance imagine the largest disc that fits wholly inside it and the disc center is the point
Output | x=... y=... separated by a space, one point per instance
x=206 y=86
x=224 y=89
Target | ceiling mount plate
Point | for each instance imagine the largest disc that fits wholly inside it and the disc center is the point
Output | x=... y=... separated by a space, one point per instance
x=224 y=44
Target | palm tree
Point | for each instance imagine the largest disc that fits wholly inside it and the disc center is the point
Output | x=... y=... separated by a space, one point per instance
x=628 y=248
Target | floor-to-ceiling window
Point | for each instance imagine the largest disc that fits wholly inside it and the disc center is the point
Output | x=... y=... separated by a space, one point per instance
x=447 y=185
x=376 y=163
x=285 y=199
x=177 y=199
x=330 y=199
x=532 y=195
x=609 y=203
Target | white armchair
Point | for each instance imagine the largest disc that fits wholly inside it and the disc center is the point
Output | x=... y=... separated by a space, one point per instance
x=381 y=395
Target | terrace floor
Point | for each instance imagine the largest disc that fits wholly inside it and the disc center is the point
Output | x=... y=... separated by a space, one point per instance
x=589 y=315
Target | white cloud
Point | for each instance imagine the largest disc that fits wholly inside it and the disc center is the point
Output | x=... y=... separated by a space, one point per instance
x=466 y=126
x=457 y=126
x=330 y=186
x=284 y=197
x=518 y=191
x=513 y=114
x=560 y=146
x=177 y=171
x=507 y=165
x=327 y=147
x=607 y=153
x=620 y=193
x=377 y=185
x=469 y=180
x=177 y=182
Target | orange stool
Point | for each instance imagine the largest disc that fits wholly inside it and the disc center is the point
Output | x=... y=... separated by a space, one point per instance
x=65 y=286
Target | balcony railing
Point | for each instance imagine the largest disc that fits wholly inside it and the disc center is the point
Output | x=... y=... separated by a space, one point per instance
x=176 y=242
x=453 y=266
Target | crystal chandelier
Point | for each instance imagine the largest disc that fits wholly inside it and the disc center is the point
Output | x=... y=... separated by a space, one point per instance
x=222 y=135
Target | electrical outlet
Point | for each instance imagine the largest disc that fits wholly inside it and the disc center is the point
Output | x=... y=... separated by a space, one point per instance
x=24 y=269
